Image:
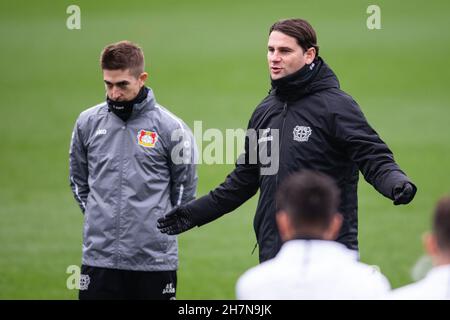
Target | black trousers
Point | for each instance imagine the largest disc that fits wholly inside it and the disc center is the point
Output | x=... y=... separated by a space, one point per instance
x=111 y=284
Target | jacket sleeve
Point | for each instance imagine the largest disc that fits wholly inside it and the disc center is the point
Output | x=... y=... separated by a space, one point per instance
x=183 y=171
x=239 y=186
x=366 y=149
x=78 y=168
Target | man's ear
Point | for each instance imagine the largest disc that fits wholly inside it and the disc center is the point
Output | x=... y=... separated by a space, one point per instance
x=310 y=55
x=332 y=231
x=284 y=225
x=430 y=244
x=143 y=77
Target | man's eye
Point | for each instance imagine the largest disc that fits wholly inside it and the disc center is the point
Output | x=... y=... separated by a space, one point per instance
x=122 y=85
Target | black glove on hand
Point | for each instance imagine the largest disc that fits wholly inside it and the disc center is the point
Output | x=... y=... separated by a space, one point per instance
x=178 y=220
x=404 y=192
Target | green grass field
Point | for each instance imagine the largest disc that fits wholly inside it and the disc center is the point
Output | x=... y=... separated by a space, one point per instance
x=207 y=61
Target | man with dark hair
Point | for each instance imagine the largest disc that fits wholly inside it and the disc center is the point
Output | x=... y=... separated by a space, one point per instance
x=125 y=173
x=436 y=284
x=310 y=265
x=313 y=125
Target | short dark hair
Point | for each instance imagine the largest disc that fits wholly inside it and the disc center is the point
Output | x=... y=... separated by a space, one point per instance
x=310 y=198
x=121 y=56
x=299 y=29
x=441 y=223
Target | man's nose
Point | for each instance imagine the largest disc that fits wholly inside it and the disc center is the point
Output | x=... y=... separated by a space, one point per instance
x=275 y=57
x=115 y=93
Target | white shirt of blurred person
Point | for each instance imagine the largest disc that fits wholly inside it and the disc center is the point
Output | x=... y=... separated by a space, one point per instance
x=436 y=284
x=310 y=265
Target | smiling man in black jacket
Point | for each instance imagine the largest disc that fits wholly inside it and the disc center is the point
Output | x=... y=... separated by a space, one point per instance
x=320 y=128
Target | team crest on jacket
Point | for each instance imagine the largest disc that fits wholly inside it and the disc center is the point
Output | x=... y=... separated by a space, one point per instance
x=302 y=133
x=147 y=138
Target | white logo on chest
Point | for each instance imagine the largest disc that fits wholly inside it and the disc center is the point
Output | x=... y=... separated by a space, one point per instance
x=302 y=133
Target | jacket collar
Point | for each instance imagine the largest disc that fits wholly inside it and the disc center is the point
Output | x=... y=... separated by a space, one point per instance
x=439 y=272
x=126 y=110
x=310 y=78
x=294 y=249
x=146 y=105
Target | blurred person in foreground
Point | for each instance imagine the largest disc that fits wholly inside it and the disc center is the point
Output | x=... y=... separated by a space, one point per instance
x=305 y=122
x=310 y=265
x=436 y=284
x=125 y=173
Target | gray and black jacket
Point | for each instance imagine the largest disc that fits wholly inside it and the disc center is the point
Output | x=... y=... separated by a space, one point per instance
x=126 y=175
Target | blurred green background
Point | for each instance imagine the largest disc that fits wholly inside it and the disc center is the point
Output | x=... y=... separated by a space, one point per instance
x=207 y=61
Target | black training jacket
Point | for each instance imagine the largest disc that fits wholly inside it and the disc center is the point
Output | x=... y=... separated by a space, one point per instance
x=320 y=128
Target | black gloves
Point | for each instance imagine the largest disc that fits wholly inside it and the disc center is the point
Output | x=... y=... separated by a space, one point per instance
x=404 y=192
x=178 y=220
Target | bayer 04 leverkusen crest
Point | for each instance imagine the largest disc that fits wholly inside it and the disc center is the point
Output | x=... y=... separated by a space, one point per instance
x=147 y=139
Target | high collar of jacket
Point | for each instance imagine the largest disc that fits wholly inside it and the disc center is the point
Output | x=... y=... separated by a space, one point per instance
x=439 y=272
x=322 y=249
x=309 y=79
x=125 y=109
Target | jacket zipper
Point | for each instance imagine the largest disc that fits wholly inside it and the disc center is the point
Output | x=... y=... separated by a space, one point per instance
x=123 y=128
x=281 y=141
x=279 y=153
